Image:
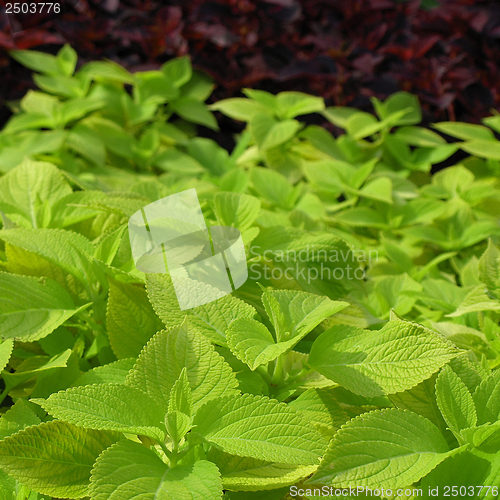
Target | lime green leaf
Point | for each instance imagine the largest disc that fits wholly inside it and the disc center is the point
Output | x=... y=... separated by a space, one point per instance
x=17 y=417
x=130 y=319
x=249 y=474
x=106 y=71
x=211 y=320
x=462 y=469
x=236 y=209
x=320 y=407
x=373 y=363
x=112 y=407
x=37 y=61
x=26 y=190
x=69 y=250
x=403 y=101
x=32 y=308
x=388 y=448
x=487 y=399
x=238 y=108
x=269 y=133
x=168 y=353
x=465 y=131
x=67 y=59
x=482 y=148
x=178 y=71
x=54 y=458
x=295 y=313
x=258 y=427
x=181 y=398
x=455 y=401
x=5 y=352
x=252 y=343
x=194 y=111
x=126 y=470
x=292 y=104
x=111 y=373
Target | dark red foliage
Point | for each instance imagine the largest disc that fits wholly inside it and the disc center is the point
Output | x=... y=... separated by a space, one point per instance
x=344 y=50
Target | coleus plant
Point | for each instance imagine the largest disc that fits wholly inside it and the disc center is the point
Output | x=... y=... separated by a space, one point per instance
x=363 y=351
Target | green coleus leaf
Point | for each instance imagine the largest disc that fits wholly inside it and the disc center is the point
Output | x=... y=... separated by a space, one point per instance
x=112 y=407
x=210 y=320
x=388 y=448
x=321 y=407
x=32 y=308
x=295 y=313
x=269 y=133
x=461 y=469
x=258 y=427
x=455 y=401
x=130 y=319
x=236 y=209
x=5 y=352
x=181 y=398
x=20 y=415
x=130 y=470
x=66 y=249
x=373 y=363
x=166 y=355
x=489 y=268
x=54 y=458
x=249 y=474
x=111 y=373
x=26 y=191
x=251 y=342
x=487 y=399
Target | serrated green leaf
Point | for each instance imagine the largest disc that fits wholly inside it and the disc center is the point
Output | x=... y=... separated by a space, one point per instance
x=321 y=408
x=32 y=308
x=181 y=398
x=373 y=363
x=17 y=417
x=462 y=469
x=455 y=401
x=167 y=354
x=26 y=191
x=111 y=373
x=66 y=249
x=487 y=399
x=211 y=320
x=236 y=209
x=388 y=448
x=130 y=320
x=5 y=352
x=112 y=407
x=295 y=313
x=258 y=427
x=54 y=458
x=130 y=470
x=249 y=474
x=252 y=343
x=127 y=470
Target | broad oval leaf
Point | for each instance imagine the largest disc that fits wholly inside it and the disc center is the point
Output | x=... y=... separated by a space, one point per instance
x=374 y=363
x=259 y=427
x=112 y=407
x=54 y=458
x=168 y=353
x=388 y=448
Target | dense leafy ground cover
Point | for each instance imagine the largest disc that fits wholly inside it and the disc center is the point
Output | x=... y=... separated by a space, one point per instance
x=363 y=351
x=444 y=51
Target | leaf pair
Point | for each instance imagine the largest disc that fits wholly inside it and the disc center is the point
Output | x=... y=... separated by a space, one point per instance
x=293 y=315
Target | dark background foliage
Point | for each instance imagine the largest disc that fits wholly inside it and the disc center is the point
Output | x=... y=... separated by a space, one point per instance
x=446 y=51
